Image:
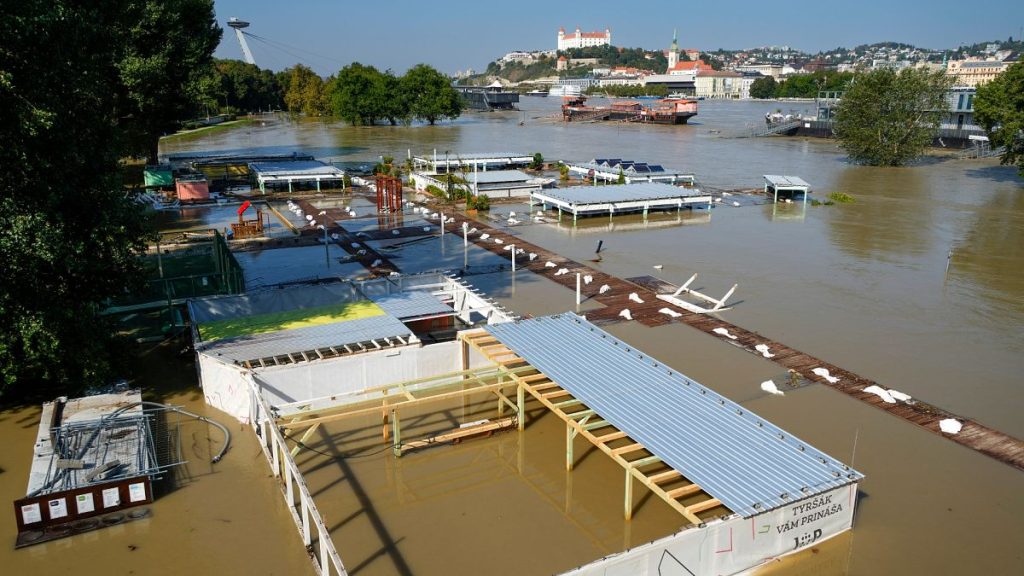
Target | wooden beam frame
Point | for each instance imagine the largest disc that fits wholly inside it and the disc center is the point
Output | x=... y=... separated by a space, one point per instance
x=578 y=424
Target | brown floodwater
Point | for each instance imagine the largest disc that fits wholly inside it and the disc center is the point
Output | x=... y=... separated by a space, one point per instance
x=918 y=285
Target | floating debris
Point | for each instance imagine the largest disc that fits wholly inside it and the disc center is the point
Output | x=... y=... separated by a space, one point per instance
x=670 y=312
x=823 y=372
x=770 y=387
x=881 y=393
x=950 y=426
x=724 y=332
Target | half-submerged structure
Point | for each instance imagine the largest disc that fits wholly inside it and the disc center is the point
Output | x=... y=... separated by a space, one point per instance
x=612 y=169
x=93 y=458
x=619 y=199
x=745 y=490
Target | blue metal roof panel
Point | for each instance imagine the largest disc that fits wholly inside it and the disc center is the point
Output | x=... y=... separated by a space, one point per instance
x=733 y=454
x=412 y=304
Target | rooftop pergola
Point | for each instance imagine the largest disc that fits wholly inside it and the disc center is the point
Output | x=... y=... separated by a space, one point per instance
x=790 y=184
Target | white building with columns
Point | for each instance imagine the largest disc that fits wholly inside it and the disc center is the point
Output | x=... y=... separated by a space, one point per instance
x=580 y=39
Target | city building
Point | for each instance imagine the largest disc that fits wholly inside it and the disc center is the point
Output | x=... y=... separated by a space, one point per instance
x=719 y=84
x=580 y=39
x=773 y=70
x=975 y=72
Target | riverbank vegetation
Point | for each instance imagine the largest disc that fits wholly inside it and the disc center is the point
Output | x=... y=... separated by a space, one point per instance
x=887 y=118
x=630 y=91
x=800 y=85
x=82 y=87
x=999 y=109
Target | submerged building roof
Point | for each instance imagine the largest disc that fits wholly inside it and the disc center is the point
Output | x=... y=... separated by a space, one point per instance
x=777 y=181
x=736 y=456
x=638 y=192
x=295 y=170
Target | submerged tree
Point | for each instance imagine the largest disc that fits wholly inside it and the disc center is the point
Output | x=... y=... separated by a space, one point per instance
x=305 y=92
x=999 y=109
x=887 y=118
x=69 y=234
x=430 y=95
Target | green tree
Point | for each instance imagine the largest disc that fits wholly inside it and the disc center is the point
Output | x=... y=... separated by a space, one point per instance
x=763 y=88
x=305 y=92
x=165 y=52
x=622 y=177
x=999 y=108
x=241 y=86
x=69 y=234
x=359 y=95
x=886 y=118
x=430 y=94
x=538 y=161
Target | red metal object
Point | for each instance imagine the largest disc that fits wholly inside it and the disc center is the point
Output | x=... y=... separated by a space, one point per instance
x=244 y=207
x=389 y=194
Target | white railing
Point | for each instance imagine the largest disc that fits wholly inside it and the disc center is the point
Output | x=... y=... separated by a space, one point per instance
x=322 y=552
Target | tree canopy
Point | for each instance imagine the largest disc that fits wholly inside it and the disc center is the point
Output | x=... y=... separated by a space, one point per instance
x=363 y=95
x=999 y=109
x=73 y=83
x=429 y=94
x=236 y=86
x=763 y=88
x=165 y=51
x=304 y=91
x=886 y=118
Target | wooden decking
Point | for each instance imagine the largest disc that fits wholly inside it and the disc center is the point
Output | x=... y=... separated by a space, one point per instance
x=686 y=497
x=974 y=435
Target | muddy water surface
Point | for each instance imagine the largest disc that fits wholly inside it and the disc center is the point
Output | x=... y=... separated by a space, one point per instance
x=919 y=285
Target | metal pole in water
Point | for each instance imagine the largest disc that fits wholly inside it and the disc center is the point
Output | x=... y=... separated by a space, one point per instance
x=327 y=248
x=578 y=292
x=513 y=246
x=465 y=234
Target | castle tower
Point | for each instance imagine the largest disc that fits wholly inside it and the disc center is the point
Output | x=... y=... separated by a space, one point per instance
x=673 y=52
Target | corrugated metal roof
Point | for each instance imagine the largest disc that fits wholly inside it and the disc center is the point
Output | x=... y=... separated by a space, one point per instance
x=785 y=181
x=216 y=308
x=306 y=339
x=621 y=193
x=299 y=168
x=413 y=304
x=613 y=165
x=498 y=176
x=733 y=454
x=454 y=157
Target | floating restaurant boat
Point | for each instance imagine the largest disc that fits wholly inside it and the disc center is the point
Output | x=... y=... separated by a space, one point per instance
x=664 y=111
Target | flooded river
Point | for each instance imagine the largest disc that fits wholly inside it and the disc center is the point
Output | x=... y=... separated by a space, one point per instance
x=918 y=285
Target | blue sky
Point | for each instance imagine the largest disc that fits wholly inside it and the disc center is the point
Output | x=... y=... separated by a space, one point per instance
x=454 y=35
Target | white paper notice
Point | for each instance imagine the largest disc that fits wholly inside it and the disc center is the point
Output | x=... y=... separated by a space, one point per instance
x=58 y=508
x=30 y=514
x=136 y=492
x=111 y=498
x=84 y=503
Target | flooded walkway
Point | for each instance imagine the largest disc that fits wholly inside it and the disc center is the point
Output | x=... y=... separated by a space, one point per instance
x=974 y=435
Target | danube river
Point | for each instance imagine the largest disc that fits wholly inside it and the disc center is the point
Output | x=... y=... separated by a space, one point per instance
x=918 y=284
